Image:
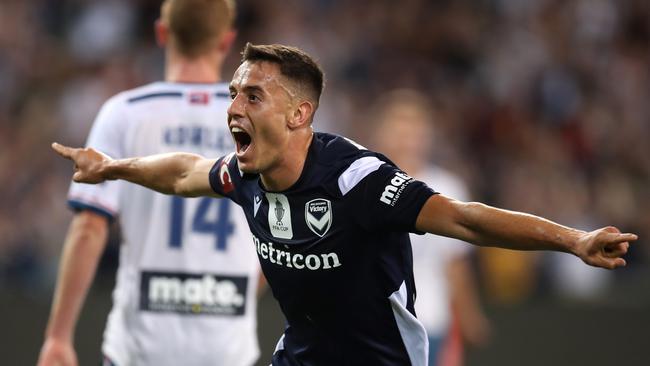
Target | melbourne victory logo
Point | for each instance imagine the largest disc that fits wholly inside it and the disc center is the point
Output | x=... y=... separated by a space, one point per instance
x=318 y=215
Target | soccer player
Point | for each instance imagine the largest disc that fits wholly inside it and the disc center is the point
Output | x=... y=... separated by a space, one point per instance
x=330 y=219
x=187 y=278
x=447 y=299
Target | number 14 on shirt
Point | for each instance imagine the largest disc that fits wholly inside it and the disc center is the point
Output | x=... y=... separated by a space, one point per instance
x=221 y=226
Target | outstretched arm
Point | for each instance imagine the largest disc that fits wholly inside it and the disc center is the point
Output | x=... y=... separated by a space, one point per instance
x=181 y=174
x=488 y=226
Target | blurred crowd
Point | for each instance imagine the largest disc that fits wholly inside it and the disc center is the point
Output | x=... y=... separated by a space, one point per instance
x=540 y=105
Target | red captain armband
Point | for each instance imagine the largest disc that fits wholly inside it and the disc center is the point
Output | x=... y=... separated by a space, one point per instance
x=224 y=175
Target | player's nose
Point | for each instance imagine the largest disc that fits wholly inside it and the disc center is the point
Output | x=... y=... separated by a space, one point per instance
x=236 y=108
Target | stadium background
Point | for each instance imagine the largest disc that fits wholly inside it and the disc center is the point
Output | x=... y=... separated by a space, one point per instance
x=542 y=106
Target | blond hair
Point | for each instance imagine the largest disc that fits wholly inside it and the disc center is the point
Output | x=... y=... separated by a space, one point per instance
x=196 y=25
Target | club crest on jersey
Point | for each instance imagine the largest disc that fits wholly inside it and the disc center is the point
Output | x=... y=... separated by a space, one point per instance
x=318 y=215
x=279 y=216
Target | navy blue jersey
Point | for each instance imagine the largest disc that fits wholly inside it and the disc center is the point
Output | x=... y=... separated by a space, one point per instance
x=336 y=252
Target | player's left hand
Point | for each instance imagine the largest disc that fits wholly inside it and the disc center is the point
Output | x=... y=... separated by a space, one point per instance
x=604 y=247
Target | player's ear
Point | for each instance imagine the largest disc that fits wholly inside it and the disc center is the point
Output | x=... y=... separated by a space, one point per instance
x=162 y=33
x=302 y=114
x=227 y=40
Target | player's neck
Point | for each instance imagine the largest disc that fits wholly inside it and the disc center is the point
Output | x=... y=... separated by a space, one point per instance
x=287 y=172
x=203 y=69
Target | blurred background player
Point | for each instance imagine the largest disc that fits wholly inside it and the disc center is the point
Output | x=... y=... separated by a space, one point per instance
x=187 y=279
x=447 y=299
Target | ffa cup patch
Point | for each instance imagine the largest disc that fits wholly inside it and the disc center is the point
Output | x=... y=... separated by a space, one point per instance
x=318 y=215
x=279 y=216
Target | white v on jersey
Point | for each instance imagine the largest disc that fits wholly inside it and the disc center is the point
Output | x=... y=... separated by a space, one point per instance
x=187 y=279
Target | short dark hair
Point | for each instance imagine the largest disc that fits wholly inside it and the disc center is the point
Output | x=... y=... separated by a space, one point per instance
x=294 y=63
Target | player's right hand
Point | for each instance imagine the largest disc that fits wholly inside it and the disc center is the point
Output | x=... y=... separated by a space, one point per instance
x=604 y=247
x=57 y=353
x=89 y=164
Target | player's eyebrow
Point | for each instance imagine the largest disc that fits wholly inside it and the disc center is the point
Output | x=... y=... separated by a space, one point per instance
x=253 y=89
x=248 y=89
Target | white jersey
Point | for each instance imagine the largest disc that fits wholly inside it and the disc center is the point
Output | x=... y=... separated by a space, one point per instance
x=431 y=255
x=188 y=274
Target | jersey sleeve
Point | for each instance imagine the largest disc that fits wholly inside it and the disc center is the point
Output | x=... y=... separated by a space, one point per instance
x=106 y=136
x=389 y=199
x=225 y=176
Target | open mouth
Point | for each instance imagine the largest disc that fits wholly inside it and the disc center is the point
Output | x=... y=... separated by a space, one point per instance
x=242 y=139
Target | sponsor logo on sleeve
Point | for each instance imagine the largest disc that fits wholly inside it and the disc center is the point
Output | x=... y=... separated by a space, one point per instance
x=193 y=294
x=318 y=215
x=394 y=189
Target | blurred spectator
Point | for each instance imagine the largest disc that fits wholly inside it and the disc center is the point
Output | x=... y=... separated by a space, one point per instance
x=447 y=296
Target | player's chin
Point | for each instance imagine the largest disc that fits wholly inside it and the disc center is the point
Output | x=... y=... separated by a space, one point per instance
x=247 y=169
x=245 y=156
x=246 y=164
